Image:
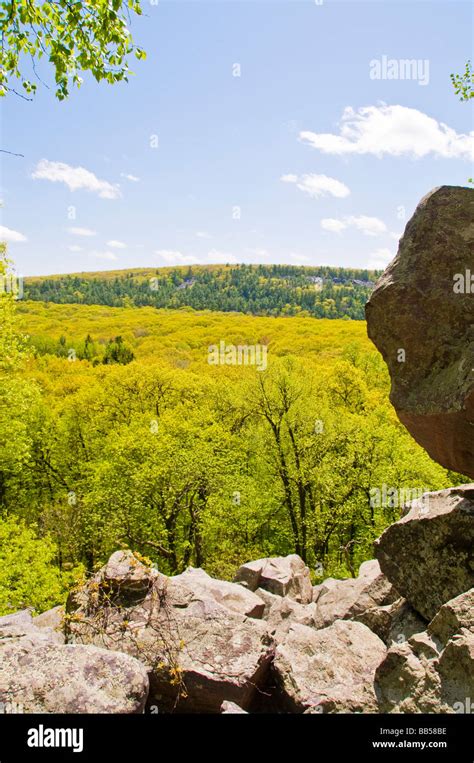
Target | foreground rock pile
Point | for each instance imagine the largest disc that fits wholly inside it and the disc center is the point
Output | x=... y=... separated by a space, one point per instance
x=398 y=638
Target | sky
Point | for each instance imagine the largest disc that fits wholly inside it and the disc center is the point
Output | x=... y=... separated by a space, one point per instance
x=263 y=131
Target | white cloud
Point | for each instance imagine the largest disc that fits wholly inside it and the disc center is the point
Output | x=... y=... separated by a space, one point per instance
x=12 y=236
x=81 y=231
x=132 y=178
x=173 y=257
x=392 y=130
x=333 y=225
x=75 y=248
x=203 y=234
x=318 y=185
x=116 y=244
x=103 y=255
x=396 y=236
x=370 y=226
x=379 y=259
x=75 y=178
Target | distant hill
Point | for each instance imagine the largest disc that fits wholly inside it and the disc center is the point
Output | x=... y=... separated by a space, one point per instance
x=320 y=292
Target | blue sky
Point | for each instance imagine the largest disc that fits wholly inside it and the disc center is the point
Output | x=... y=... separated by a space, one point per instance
x=305 y=158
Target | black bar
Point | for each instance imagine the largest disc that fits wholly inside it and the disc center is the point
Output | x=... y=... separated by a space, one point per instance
x=152 y=737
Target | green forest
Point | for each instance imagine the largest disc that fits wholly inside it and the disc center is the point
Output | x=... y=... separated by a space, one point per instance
x=321 y=292
x=116 y=431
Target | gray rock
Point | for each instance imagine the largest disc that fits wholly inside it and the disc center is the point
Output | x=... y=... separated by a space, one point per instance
x=393 y=622
x=51 y=678
x=230 y=708
x=423 y=305
x=432 y=672
x=269 y=599
x=456 y=672
x=405 y=623
x=52 y=621
x=285 y=612
x=22 y=618
x=230 y=595
x=281 y=575
x=198 y=652
x=21 y=626
x=452 y=617
x=346 y=599
x=324 y=587
x=332 y=668
x=407 y=681
x=428 y=555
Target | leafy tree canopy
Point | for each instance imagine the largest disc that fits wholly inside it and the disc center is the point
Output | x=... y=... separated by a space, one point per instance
x=464 y=83
x=74 y=36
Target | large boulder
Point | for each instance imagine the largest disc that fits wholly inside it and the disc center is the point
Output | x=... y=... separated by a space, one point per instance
x=197 y=651
x=126 y=578
x=346 y=599
x=331 y=669
x=285 y=612
x=452 y=617
x=421 y=318
x=281 y=575
x=52 y=622
x=432 y=672
x=51 y=678
x=324 y=587
x=269 y=599
x=428 y=554
x=230 y=708
x=393 y=622
x=230 y=595
x=21 y=626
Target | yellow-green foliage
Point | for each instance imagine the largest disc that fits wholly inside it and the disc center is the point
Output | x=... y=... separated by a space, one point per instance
x=206 y=465
x=180 y=336
x=29 y=575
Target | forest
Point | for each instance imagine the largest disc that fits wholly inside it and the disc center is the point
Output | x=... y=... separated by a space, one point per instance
x=116 y=431
x=321 y=292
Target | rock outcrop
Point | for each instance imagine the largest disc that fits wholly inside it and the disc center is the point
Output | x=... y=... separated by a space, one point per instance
x=189 y=643
x=230 y=708
x=421 y=318
x=197 y=651
x=53 y=622
x=432 y=672
x=393 y=622
x=230 y=595
x=285 y=612
x=281 y=575
x=52 y=678
x=331 y=669
x=346 y=599
x=37 y=630
x=428 y=555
